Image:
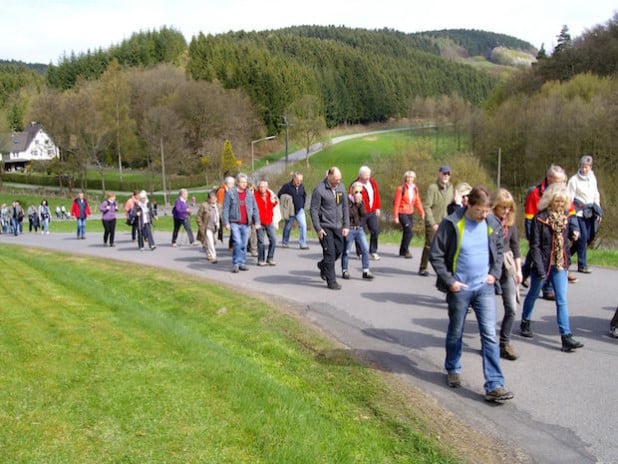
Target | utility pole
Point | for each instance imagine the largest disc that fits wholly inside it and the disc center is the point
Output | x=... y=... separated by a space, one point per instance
x=499 y=165
x=285 y=124
x=163 y=172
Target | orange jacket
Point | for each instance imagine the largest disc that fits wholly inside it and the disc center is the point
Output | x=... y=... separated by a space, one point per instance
x=402 y=204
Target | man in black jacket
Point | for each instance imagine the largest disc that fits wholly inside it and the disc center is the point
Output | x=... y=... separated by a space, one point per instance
x=330 y=215
x=296 y=190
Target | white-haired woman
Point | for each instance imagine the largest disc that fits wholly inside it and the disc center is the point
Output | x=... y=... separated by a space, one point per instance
x=549 y=236
x=407 y=200
x=587 y=201
x=143 y=212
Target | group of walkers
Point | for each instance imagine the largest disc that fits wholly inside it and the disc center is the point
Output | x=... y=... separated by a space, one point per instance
x=471 y=241
x=12 y=218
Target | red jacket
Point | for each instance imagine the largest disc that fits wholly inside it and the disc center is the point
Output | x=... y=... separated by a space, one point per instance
x=75 y=209
x=402 y=204
x=376 y=196
x=266 y=206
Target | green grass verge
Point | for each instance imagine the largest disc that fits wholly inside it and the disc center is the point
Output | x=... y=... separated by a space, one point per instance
x=106 y=362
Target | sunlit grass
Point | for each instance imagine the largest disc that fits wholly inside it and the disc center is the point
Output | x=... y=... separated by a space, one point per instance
x=106 y=362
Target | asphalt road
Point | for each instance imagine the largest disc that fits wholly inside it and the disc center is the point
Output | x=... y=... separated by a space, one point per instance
x=565 y=407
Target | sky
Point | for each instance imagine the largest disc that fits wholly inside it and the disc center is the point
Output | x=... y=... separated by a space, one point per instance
x=42 y=31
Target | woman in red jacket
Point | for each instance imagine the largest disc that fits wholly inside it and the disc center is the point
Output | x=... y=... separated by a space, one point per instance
x=407 y=199
x=266 y=201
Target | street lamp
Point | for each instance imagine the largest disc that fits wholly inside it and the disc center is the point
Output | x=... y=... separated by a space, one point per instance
x=253 y=142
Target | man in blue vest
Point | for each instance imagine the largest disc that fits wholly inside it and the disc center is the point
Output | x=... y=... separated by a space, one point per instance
x=467 y=256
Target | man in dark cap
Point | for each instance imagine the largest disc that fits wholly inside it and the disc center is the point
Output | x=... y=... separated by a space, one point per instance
x=439 y=195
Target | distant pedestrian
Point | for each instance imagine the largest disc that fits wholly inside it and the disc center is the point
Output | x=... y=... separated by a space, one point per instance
x=356 y=235
x=549 y=236
x=5 y=219
x=208 y=221
x=407 y=200
x=33 y=218
x=80 y=211
x=292 y=198
x=228 y=183
x=128 y=208
x=58 y=212
x=239 y=212
x=467 y=254
x=181 y=214
x=439 y=195
x=266 y=201
x=45 y=216
x=63 y=212
x=143 y=212
x=108 y=218
x=587 y=200
x=371 y=200
x=330 y=215
x=17 y=217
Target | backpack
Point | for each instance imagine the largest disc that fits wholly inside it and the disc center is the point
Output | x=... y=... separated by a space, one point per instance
x=131 y=217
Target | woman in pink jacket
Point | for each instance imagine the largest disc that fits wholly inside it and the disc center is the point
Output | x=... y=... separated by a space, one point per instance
x=407 y=200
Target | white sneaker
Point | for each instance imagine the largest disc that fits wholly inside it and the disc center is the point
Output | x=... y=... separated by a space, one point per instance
x=613 y=331
x=375 y=256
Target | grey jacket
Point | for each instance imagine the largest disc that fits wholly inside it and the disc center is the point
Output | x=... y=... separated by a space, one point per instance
x=447 y=243
x=329 y=210
x=231 y=208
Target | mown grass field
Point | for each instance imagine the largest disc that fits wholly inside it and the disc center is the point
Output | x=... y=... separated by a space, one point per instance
x=104 y=362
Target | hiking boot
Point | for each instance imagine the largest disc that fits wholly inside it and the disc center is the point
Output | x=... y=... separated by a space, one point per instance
x=525 y=329
x=569 y=343
x=345 y=275
x=367 y=275
x=453 y=380
x=572 y=278
x=322 y=272
x=499 y=395
x=508 y=352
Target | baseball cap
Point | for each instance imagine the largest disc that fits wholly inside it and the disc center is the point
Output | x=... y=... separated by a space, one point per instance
x=444 y=169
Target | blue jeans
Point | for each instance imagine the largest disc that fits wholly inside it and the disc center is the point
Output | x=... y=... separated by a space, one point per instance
x=45 y=225
x=81 y=227
x=240 y=237
x=302 y=225
x=355 y=236
x=580 y=246
x=272 y=242
x=483 y=301
x=560 y=282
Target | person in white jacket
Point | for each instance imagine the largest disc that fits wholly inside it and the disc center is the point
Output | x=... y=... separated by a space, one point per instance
x=587 y=200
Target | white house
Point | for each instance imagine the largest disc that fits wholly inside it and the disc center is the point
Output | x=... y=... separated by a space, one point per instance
x=18 y=149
